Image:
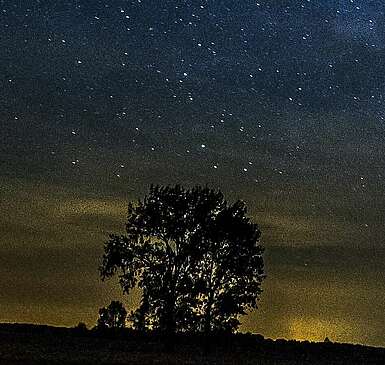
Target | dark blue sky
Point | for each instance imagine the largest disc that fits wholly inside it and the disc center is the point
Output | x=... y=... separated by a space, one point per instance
x=278 y=103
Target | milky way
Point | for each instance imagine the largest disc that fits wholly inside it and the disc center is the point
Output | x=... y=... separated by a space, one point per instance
x=278 y=103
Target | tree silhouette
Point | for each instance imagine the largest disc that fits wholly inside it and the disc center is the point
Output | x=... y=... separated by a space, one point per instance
x=113 y=316
x=196 y=258
x=81 y=327
x=230 y=269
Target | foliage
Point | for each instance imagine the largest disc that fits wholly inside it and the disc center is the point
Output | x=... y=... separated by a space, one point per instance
x=196 y=258
x=112 y=316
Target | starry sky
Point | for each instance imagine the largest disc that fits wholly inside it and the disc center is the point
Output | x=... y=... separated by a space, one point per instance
x=278 y=103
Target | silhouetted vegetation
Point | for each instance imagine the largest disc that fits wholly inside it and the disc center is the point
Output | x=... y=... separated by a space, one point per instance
x=81 y=327
x=30 y=344
x=196 y=258
x=112 y=316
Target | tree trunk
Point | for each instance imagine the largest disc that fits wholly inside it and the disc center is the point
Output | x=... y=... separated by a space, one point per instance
x=169 y=326
x=208 y=314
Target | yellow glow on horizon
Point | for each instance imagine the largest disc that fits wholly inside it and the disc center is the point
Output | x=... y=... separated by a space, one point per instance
x=315 y=329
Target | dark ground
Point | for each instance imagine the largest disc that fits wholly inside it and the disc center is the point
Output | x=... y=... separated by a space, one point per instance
x=30 y=344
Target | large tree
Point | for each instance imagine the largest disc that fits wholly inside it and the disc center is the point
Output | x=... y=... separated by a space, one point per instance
x=196 y=258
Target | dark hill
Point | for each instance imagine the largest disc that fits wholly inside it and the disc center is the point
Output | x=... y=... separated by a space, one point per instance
x=31 y=344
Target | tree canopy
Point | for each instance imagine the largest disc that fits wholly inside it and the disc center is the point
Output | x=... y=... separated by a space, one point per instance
x=196 y=258
x=112 y=316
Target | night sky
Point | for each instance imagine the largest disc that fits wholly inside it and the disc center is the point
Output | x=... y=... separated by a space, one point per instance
x=278 y=103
